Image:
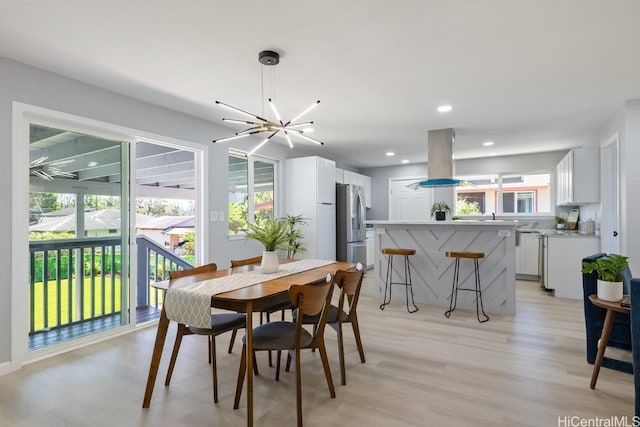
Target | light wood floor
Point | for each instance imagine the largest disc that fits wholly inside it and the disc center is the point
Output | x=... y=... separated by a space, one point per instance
x=422 y=369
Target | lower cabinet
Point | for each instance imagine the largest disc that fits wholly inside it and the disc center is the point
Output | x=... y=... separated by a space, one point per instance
x=563 y=262
x=527 y=255
x=370 y=247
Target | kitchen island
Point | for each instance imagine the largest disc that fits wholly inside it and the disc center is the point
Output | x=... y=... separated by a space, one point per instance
x=432 y=271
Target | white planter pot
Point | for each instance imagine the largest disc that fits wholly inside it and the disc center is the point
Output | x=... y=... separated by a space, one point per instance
x=609 y=291
x=271 y=264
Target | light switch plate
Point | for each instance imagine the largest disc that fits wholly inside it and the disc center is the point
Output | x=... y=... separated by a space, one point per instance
x=213 y=216
x=221 y=216
x=504 y=233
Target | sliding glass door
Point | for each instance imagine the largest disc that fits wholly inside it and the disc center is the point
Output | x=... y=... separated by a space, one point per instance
x=78 y=235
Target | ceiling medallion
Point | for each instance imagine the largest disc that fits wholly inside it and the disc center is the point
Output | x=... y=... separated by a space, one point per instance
x=259 y=124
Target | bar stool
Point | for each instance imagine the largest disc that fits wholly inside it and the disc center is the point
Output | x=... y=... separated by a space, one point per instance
x=407 y=276
x=456 y=286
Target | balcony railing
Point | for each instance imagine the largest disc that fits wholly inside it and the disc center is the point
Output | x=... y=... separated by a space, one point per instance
x=154 y=264
x=78 y=280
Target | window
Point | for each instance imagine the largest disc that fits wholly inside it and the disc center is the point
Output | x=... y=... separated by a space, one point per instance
x=504 y=193
x=251 y=190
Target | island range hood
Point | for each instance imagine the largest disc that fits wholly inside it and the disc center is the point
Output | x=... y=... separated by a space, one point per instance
x=439 y=160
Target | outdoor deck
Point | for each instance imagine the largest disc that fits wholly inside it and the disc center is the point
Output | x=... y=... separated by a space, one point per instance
x=43 y=339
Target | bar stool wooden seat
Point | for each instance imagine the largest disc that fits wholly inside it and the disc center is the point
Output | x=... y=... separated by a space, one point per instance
x=475 y=256
x=406 y=253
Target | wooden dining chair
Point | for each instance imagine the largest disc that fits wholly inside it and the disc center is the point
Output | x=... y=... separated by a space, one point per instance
x=283 y=306
x=220 y=323
x=293 y=337
x=349 y=282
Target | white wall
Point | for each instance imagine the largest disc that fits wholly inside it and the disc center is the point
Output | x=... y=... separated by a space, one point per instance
x=629 y=185
x=626 y=122
x=22 y=83
x=380 y=176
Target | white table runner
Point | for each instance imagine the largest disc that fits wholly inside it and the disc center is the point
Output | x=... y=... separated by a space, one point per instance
x=191 y=304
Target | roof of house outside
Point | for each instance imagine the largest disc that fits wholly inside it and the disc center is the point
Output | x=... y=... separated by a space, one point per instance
x=104 y=219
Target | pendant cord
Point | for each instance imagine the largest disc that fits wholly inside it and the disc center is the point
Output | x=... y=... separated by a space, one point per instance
x=262 y=88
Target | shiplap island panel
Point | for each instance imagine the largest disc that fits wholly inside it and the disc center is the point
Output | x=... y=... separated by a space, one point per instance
x=432 y=271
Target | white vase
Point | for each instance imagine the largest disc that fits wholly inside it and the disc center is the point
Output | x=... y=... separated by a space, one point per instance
x=609 y=291
x=270 y=262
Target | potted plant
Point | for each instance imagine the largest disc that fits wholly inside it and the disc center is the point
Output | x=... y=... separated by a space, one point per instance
x=609 y=270
x=560 y=222
x=440 y=210
x=273 y=233
x=294 y=236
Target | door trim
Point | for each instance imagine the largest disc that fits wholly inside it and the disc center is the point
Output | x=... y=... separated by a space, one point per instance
x=22 y=115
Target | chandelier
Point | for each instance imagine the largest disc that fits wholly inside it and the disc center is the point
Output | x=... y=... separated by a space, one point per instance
x=274 y=126
x=49 y=171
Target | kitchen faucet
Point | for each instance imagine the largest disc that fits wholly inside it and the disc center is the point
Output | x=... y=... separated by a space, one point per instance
x=493 y=216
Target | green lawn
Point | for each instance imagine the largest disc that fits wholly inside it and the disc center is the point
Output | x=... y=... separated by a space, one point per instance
x=52 y=303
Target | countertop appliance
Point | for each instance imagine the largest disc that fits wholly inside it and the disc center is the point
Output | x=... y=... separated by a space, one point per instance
x=351 y=231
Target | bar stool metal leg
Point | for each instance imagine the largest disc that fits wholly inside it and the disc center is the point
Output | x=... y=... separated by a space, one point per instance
x=479 y=294
x=387 y=284
x=409 y=285
x=455 y=287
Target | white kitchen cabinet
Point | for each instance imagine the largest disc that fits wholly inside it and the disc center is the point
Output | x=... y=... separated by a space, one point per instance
x=339 y=176
x=367 y=191
x=563 y=262
x=361 y=180
x=371 y=237
x=578 y=177
x=527 y=254
x=310 y=191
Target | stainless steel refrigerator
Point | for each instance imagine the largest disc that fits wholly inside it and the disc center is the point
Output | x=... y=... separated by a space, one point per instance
x=350 y=228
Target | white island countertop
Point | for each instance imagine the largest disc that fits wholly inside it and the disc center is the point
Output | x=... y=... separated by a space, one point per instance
x=497 y=222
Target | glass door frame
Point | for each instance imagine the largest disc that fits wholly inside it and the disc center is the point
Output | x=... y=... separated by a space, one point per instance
x=22 y=116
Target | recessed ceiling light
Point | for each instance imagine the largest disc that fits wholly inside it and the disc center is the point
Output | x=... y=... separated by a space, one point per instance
x=487 y=143
x=445 y=108
x=92 y=164
x=492 y=154
x=405 y=161
x=390 y=154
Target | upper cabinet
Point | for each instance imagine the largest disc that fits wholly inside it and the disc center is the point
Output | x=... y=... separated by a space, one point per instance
x=348 y=177
x=316 y=175
x=578 y=177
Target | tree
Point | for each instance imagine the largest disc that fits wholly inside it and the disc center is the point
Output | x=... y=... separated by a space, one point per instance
x=189 y=245
x=465 y=207
x=44 y=202
x=157 y=207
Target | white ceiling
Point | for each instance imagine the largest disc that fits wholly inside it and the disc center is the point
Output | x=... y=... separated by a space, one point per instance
x=530 y=75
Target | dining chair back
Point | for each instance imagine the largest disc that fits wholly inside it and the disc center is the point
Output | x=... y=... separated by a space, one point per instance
x=349 y=282
x=267 y=311
x=207 y=268
x=312 y=300
x=246 y=261
x=220 y=323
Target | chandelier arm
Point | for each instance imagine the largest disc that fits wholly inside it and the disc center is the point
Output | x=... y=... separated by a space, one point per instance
x=237 y=110
x=301 y=135
x=275 y=110
x=250 y=130
x=229 y=138
x=297 y=125
x=262 y=143
x=242 y=122
x=315 y=104
x=286 y=134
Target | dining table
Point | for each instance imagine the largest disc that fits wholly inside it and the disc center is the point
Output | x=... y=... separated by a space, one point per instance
x=251 y=291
